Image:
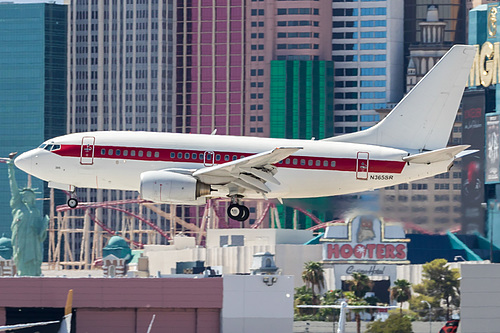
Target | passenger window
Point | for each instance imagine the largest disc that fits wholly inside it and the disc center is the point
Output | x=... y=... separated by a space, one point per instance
x=325 y=163
x=186 y=156
x=302 y=162
x=103 y=152
x=118 y=152
x=148 y=153
x=132 y=153
x=172 y=155
x=295 y=161
x=125 y=152
x=226 y=158
x=140 y=153
x=179 y=155
x=318 y=163
x=110 y=152
x=310 y=162
x=332 y=164
x=157 y=154
x=194 y=155
x=217 y=157
x=287 y=161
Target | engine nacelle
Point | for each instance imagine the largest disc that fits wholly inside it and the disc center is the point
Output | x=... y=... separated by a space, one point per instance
x=167 y=186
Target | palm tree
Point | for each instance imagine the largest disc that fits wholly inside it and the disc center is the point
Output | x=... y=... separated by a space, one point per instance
x=359 y=285
x=313 y=275
x=401 y=292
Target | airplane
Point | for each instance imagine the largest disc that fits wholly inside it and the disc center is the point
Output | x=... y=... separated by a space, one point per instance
x=407 y=145
x=65 y=322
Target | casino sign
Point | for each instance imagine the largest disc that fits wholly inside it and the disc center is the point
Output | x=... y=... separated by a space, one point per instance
x=365 y=239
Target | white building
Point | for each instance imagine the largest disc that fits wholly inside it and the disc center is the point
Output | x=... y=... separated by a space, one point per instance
x=368 y=57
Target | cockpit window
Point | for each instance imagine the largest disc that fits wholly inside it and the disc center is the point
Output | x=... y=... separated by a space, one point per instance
x=42 y=145
x=48 y=147
x=55 y=147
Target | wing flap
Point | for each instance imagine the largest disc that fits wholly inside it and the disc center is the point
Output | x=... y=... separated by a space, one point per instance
x=251 y=172
x=438 y=155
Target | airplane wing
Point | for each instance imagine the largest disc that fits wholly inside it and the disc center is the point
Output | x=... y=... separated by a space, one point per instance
x=251 y=172
x=21 y=326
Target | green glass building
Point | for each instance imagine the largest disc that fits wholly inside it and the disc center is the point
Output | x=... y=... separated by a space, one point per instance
x=301 y=99
x=301 y=107
x=32 y=87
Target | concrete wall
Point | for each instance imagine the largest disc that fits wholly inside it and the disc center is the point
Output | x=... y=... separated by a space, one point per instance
x=250 y=305
x=480 y=298
x=256 y=237
x=123 y=305
x=289 y=258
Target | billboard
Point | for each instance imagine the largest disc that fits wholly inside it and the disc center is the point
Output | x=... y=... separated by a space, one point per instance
x=473 y=130
x=492 y=161
x=365 y=239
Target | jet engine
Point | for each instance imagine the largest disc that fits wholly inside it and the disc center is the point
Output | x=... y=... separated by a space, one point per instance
x=168 y=186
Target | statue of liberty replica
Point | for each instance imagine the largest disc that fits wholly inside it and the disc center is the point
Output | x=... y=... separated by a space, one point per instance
x=29 y=227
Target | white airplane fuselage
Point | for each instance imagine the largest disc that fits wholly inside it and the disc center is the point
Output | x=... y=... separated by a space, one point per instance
x=116 y=160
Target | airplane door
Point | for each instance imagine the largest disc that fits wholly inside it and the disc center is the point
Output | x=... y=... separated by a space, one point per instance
x=87 y=150
x=208 y=158
x=362 y=164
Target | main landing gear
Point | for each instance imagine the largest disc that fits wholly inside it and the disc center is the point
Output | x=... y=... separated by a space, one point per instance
x=237 y=211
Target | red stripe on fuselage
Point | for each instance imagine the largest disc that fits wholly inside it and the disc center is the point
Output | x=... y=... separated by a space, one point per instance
x=197 y=156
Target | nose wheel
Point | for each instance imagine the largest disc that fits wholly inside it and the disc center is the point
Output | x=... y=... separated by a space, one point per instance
x=72 y=202
x=238 y=212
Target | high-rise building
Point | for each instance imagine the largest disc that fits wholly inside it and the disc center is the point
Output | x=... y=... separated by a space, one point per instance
x=434 y=203
x=451 y=12
x=32 y=86
x=367 y=49
x=121 y=76
x=288 y=69
x=210 y=62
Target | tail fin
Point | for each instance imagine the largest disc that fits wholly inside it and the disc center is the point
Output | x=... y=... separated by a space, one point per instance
x=423 y=119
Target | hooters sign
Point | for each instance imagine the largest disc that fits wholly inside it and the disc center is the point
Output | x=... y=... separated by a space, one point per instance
x=365 y=238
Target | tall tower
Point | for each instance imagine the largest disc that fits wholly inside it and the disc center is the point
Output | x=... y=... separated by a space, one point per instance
x=367 y=48
x=33 y=86
x=433 y=202
x=120 y=76
x=432 y=47
x=210 y=67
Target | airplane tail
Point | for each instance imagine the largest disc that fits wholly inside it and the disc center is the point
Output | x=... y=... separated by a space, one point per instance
x=424 y=118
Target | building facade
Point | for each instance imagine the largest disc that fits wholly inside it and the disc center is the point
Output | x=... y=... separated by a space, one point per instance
x=434 y=203
x=32 y=87
x=367 y=48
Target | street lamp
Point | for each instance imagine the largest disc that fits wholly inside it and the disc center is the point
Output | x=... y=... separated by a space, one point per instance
x=430 y=322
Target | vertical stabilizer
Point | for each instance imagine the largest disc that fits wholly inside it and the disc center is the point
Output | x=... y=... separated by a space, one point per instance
x=424 y=118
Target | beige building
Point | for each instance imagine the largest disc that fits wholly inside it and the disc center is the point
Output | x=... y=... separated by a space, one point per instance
x=434 y=203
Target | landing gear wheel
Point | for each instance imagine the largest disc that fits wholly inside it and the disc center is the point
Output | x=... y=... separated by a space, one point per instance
x=238 y=212
x=72 y=202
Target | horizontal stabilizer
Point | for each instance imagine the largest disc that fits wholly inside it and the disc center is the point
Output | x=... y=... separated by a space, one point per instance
x=438 y=155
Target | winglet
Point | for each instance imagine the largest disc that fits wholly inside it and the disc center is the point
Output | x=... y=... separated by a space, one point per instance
x=69 y=303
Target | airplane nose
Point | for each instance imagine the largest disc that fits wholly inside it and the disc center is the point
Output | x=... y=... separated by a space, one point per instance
x=24 y=161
